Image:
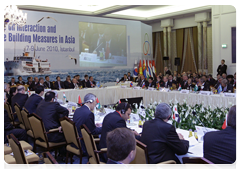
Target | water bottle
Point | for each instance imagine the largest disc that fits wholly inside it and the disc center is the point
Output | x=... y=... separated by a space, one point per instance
x=190 y=133
x=195 y=134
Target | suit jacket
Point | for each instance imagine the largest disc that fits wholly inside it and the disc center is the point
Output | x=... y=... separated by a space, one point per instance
x=84 y=83
x=170 y=83
x=20 y=99
x=212 y=82
x=219 y=147
x=168 y=72
x=153 y=84
x=229 y=87
x=84 y=116
x=28 y=83
x=111 y=165
x=184 y=85
x=222 y=69
x=122 y=79
x=68 y=85
x=130 y=78
x=88 y=84
x=163 y=84
x=51 y=112
x=33 y=86
x=140 y=83
x=32 y=103
x=11 y=84
x=162 y=141
x=49 y=86
x=206 y=87
x=22 y=83
x=216 y=85
x=56 y=85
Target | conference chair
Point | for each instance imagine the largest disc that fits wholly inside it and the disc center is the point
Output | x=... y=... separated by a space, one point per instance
x=19 y=115
x=93 y=153
x=19 y=154
x=8 y=149
x=39 y=132
x=10 y=114
x=195 y=160
x=26 y=87
x=26 y=122
x=142 y=156
x=48 y=158
x=71 y=135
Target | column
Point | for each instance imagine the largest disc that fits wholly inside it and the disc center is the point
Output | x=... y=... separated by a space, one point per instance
x=199 y=26
x=204 y=64
x=165 y=45
x=169 y=48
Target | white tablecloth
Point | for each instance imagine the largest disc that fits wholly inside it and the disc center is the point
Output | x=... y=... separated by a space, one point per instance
x=111 y=95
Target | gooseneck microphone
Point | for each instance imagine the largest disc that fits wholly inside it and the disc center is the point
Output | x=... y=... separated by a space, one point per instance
x=194 y=113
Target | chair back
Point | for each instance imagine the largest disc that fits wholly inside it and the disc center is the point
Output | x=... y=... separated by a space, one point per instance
x=141 y=154
x=50 y=162
x=38 y=128
x=90 y=145
x=25 y=115
x=195 y=160
x=17 y=150
x=9 y=110
x=70 y=131
x=18 y=111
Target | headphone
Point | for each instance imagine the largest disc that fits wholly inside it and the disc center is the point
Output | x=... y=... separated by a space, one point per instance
x=124 y=109
x=90 y=101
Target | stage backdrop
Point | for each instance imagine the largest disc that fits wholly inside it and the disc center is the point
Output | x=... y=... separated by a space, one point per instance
x=57 y=40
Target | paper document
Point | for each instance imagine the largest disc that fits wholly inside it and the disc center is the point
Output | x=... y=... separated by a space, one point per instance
x=192 y=141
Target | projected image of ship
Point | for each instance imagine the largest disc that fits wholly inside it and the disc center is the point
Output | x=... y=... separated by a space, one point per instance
x=25 y=64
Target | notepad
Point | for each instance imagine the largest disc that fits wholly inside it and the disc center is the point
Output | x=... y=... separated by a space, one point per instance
x=192 y=141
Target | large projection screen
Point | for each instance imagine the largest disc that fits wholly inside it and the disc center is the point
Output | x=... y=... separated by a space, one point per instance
x=102 y=45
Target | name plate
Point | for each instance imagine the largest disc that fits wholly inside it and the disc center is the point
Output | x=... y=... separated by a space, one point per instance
x=184 y=91
x=229 y=94
x=137 y=87
x=46 y=90
x=151 y=88
x=124 y=87
x=205 y=92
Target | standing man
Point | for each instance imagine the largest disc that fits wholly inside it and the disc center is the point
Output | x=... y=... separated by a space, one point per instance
x=48 y=84
x=222 y=68
x=163 y=144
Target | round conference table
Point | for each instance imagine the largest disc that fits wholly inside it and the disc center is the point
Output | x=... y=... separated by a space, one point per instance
x=112 y=94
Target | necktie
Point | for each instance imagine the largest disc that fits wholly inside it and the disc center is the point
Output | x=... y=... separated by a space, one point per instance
x=166 y=84
x=107 y=51
x=91 y=83
x=59 y=85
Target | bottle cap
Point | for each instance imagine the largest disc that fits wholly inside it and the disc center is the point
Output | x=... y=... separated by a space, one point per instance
x=190 y=129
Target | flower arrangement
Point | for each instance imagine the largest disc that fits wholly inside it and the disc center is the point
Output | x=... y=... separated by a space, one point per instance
x=211 y=117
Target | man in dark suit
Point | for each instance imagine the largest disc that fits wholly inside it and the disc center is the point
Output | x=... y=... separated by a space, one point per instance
x=112 y=121
x=20 y=82
x=219 y=147
x=20 y=98
x=121 y=146
x=226 y=87
x=171 y=81
x=124 y=78
x=85 y=81
x=12 y=82
x=97 y=38
x=84 y=115
x=218 y=82
x=48 y=84
x=211 y=80
x=20 y=134
x=184 y=83
x=161 y=138
x=29 y=81
x=109 y=44
x=68 y=83
x=50 y=112
x=234 y=81
x=79 y=82
x=151 y=82
x=203 y=85
x=91 y=83
x=167 y=71
x=129 y=77
x=34 y=84
x=58 y=84
x=75 y=84
x=138 y=78
x=33 y=101
x=143 y=81
x=165 y=82
x=41 y=82
x=222 y=68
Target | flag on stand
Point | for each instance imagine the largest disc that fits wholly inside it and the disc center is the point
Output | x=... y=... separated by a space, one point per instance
x=176 y=116
x=219 y=89
x=150 y=68
x=154 y=67
x=195 y=88
x=119 y=101
x=140 y=67
x=179 y=88
x=98 y=104
x=64 y=96
x=29 y=93
x=131 y=84
x=79 y=100
x=143 y=85
x=225 y=123
x=135 y=71
x=144 y=69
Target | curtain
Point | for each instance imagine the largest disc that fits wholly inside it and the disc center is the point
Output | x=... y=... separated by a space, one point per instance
x=179 y=41
x=158 y=51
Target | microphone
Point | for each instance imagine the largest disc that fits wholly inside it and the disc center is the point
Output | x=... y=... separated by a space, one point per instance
x=194 y=113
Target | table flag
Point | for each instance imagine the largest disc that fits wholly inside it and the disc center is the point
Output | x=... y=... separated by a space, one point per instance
x=131 y=84
x=98 y=104
x=225 y=123
x=29 y=93
x=179 y=88
x=79 y=99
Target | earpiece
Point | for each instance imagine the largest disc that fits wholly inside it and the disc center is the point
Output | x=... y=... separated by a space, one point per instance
x=90 y=101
